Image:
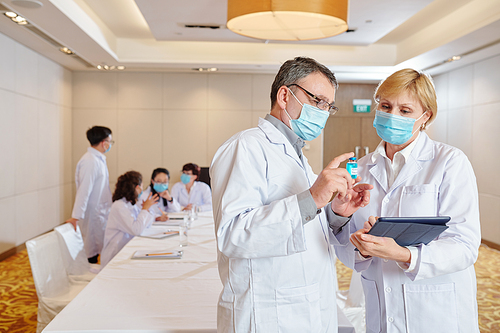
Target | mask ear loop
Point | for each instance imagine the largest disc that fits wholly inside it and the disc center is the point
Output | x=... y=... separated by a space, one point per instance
x=297 y=101
x=422 y=127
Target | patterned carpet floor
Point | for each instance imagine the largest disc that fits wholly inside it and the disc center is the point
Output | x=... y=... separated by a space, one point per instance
x=18 y=301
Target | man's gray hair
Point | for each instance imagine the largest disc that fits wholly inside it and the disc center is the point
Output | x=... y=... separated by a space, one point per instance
x=298 y=68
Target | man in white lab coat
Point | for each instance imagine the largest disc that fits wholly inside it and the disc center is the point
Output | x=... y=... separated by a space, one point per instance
x=274 y=223
x=93 y=195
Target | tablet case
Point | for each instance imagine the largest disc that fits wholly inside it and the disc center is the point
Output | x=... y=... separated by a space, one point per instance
x=408 y=231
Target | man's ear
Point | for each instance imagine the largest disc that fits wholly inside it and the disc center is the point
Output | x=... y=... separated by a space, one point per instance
x=282 y=97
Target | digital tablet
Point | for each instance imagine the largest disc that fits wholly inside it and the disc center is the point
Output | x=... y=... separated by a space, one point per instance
x=408 y=231
x=419 y=219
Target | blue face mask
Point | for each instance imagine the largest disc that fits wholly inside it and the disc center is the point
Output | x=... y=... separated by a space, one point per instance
x=108 y=148
x=185 y=178
x=160 y=187
x=394 y=129
x=311 y=122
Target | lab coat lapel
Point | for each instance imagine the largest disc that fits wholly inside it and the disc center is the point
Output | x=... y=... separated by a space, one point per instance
x=377 y=170
x=422 y=152
x=277 y=138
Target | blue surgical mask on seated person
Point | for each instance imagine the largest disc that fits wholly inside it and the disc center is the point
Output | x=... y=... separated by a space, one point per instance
x=185 y=178
x=158 y=187
x=311 y=122
x=108 y=148
x=394 y=129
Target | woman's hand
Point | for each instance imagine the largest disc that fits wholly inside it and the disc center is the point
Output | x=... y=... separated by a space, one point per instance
x=188 y=207
x=150 y=201
x=166 y=195
x=163 y=217
x=381 y=247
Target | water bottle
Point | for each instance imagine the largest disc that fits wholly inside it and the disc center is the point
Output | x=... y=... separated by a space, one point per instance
x=352 y=167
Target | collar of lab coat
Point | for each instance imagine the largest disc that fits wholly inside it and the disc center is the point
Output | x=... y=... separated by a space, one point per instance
x=276 y=137
x=96 y=153
x=423 y=151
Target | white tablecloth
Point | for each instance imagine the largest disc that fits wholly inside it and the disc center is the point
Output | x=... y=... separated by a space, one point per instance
x=154 y=295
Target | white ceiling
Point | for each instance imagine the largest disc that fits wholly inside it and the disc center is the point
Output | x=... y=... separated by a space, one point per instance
x=151 y=35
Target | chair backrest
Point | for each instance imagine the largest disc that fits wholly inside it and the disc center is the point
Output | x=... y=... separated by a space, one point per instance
x=72 y=249
x=47 y=267
x=204 y=175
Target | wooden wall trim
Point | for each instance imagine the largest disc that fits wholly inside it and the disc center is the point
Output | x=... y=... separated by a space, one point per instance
x=491 y=244
x=12 y=251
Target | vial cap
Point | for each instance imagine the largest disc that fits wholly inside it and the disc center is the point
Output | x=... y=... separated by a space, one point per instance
x=352 y=158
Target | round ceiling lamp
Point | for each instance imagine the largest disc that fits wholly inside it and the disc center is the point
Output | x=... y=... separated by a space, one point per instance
x=27 y=3
x=288 y=20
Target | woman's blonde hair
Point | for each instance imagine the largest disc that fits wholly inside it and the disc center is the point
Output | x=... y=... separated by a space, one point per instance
x=418 y=84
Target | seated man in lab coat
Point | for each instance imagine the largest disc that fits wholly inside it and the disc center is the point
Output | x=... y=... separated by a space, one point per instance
x=93 y=195
x=273 y=217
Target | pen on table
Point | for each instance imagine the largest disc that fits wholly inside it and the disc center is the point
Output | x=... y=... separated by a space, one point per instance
x=158 y=254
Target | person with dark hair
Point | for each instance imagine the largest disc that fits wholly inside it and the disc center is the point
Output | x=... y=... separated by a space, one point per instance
x=159 y=185
x=126 y=218
x=93 y=195
x=189 y=191
x=275 y=219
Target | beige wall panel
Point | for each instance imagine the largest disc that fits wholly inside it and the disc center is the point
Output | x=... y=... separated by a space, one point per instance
x=7 y=224
x=185 y=91
x=26 y=71
x=184 y=140
x=140 y=144
x=50 y=76
x=485 y=140
x=7 y=63
x=489 y=207
x=438 y=130
x=95 y=90
x=140 y=90
x=460 y=129
x=9 y=146
x=224 y=124
x=27 y=225
x=441 y=86
x=232 y=92
x=460 y=85
x=48 y=145
x=258 y=114
x=67 y=174
x=486 y=83
x=26 y=141
x=48 y=209
x=261 y=89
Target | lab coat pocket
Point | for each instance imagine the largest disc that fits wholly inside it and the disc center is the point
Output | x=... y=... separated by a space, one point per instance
x=372 y=305
x=430 y=308
x=299 y=309
x=419 y=200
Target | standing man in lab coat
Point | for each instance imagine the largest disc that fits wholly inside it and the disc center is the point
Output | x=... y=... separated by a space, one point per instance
x=93 y=195
x=274 y=222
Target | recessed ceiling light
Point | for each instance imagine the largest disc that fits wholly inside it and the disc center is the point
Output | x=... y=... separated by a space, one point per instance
x=201 y=69
x=10 y=14
x=120 y=68
x=66 y=50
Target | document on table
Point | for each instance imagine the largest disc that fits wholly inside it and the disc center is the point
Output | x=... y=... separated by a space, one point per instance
x=155 y=233
x=162 y=254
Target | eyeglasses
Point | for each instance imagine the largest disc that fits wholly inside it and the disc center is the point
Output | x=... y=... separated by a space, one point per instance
x=112 y=142
x=320 y=103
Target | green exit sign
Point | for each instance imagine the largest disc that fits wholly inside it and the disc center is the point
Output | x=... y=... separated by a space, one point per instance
x=361 y=105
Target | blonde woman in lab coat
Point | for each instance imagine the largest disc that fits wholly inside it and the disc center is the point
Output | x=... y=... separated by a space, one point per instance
x=126 y=219
x=424 y=288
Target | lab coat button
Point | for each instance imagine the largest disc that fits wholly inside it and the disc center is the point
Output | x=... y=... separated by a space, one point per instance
x=390 y=319
x=308 y=218
x=385 y=260
x=386 y=200
x=388 y=289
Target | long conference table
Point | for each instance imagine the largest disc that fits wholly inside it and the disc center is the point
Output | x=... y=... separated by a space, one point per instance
x=155 y=295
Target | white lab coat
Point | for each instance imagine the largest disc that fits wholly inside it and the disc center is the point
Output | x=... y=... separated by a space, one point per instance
x=199 y=195
x=157 y=208
x=93 y=199
x=439 y=295
x=277 y=274
x=125 y=221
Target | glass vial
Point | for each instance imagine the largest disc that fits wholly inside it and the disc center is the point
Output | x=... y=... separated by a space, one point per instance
x=352 y=167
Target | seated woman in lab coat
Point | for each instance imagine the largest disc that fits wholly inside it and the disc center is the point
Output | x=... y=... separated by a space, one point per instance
x=126 y=219
x=422 y=288
x=191 y=192
x=166 y=203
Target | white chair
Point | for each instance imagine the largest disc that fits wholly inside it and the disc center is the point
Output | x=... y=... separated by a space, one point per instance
x=53 y=287
x=73 y=254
